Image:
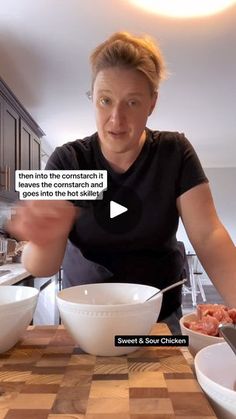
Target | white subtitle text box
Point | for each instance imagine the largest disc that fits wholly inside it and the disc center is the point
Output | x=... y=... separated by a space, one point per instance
x=61 y=184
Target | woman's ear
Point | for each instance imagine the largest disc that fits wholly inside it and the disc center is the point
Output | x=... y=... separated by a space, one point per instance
x=154 y=101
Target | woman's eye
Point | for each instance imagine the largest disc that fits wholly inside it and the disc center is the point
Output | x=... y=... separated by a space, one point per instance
x=104 y=101
x=132 y=102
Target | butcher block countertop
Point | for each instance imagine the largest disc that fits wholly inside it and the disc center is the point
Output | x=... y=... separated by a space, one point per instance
x=46 y=376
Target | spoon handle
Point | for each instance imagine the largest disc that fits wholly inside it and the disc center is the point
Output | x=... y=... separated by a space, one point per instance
x=228 y=331
x=168 y=288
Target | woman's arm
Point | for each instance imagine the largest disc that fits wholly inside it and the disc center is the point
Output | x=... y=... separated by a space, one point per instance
x=211 y=241
x=46 y=226
x=43 y=261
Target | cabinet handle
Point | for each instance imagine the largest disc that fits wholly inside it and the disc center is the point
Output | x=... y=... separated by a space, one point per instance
x=5 y=184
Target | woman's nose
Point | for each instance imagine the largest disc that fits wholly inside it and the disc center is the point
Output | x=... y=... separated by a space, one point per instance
x=118 y=114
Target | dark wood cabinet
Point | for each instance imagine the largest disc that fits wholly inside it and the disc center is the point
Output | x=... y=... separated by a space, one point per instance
x=25 y=134
x=2 y=173
x=35 y=152
x=19 y=142
x=10 y=148
x=29 y=148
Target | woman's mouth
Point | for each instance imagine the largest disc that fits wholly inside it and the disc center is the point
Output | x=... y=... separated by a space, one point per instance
x=117 y=133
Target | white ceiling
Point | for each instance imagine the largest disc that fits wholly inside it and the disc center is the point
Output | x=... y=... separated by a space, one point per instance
x=44 y=53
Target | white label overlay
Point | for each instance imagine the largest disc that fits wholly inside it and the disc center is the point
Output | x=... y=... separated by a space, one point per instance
x=61 y=184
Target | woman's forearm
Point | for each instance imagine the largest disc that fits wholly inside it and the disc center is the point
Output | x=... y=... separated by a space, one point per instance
x=211 y=241
x=217 y=253
x=45 y=225
x=44 y=260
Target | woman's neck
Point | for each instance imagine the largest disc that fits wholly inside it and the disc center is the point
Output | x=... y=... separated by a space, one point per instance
x=120 y=162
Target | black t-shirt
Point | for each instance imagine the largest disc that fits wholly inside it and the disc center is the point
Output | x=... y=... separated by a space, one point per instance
x=166 y=167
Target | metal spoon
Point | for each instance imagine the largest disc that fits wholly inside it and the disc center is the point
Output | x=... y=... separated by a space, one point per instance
x=167 y=288
x=228 y=331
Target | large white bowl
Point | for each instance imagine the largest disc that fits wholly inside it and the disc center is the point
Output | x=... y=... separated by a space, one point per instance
x=215 y=368
x=17 y=305
x=197 y=340
x=95 y=313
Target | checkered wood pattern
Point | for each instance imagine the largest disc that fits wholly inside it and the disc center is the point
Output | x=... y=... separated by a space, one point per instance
x=45 y=376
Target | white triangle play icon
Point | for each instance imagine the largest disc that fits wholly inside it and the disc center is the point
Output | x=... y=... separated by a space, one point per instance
x=116 y=209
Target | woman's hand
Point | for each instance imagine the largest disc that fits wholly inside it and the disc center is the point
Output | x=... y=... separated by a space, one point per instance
x=42 y=222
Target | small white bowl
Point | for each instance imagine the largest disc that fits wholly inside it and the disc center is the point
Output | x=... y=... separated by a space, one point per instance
x=215 y=368
x=17 y=306
x=197 y=340
x=95 y=313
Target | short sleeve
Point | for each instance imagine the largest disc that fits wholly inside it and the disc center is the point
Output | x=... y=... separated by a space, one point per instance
x=191 y=172
x=53 y=162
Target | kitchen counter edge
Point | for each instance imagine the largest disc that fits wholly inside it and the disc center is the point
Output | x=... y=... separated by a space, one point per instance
x=16 y=274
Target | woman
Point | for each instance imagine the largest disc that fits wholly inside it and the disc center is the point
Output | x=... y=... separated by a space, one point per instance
x=159 y=169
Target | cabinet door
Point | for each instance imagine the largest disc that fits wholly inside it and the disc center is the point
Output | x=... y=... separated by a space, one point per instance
x=9 y=150
x=25 y=139
x=35 y=156
x=29 y=148
x=2 y=172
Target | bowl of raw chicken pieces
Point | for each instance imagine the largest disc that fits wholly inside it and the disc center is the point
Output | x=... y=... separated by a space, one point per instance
x=202 y=325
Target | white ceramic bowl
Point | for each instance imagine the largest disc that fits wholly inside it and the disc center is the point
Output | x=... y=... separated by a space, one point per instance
x=197 y=340
x=95 y=313
x=17 y=305
x=216 y=373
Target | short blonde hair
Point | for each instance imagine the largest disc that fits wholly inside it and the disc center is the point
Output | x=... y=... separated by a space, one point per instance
x=123 y=49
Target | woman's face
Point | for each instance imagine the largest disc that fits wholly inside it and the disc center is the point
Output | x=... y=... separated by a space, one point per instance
x=123 y=101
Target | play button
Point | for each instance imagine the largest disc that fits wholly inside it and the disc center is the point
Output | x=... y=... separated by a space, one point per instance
x=120 y=209
x=116 y=209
